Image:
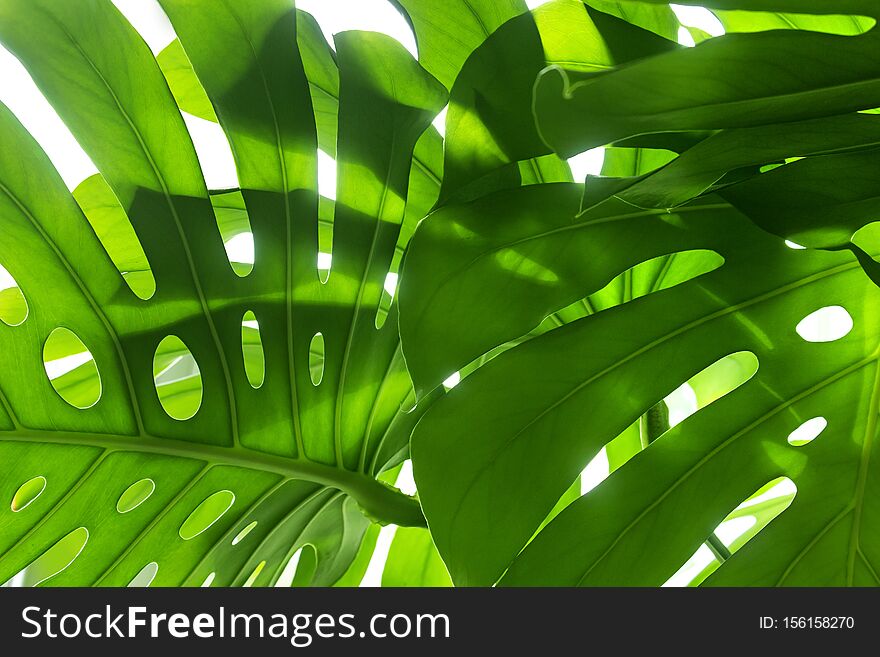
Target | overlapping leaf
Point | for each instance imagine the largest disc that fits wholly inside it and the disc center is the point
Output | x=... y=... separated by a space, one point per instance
x=493 y=459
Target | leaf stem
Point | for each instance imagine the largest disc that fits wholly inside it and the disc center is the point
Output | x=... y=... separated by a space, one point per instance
x=653 y=424
x=719 y=549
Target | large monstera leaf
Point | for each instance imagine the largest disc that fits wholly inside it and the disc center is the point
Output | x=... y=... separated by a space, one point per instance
x=258 y=472
x=492 y=458
x=653 y=289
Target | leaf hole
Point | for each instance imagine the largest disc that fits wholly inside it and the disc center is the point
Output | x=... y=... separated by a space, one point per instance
x=252 y=350
x=325 y=261
x=243 y=533
x=135 y=495
x=54 y=560
x=206 y=514
x=213 y=151
x=825 y=325
x=234 y=224
x=316 y=359
x=389 y=291
x=326 y=175
x=299 y=571
x=807 y=432
x=654 y=275
x=13 y=306
x=28 y=493
x=208 y=580
x=452 y=380
x=252 y=578
x=71 y=369
x=114 y=230
x=714 y=382
x=145 y=576
x=740 y=526
x=177 y=378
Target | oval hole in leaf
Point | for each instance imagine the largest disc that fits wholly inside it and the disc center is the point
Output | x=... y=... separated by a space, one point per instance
x=13 y=305
x=252 y=350
x=243 y=533
x=253 y=576
x=145 y=577
x=807 y=432
x=178 y=379
x=27 y=493
x=825 y=325
x=71 y=369
x=52 y=561
x=208 y=580
x=316 y=358
x=116 y=234
x=135 y=495
x=206 y=514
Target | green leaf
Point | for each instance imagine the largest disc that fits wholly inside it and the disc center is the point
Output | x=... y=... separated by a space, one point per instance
x=299 y=460
x=744 y=78
x=448 y=32
x=413 y=560
x=820 y=7
x=697 y=169
x=184 y=84
x=490 y=125
x=544 y=408
x=750 y=21
x=657 y=18
x=797 y=202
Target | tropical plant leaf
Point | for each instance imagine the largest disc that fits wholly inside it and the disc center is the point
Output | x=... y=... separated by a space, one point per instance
x=489 y=127
x=413 y=560
x=657 y=18
x=544 y=408
x=448 y=32
x=819 y=7
x=796 y=201
x=575 y=111
x=299 y=460
x=697 y=169
x=751 y=21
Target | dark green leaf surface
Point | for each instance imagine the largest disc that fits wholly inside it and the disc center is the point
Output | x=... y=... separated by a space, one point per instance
x=799 y=202
x=543 y=409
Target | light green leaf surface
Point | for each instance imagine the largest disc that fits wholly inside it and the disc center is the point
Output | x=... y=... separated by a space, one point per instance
x=413 y=560
x=299 y=459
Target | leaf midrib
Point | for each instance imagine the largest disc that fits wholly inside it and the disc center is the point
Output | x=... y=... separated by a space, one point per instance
x=372 y=495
